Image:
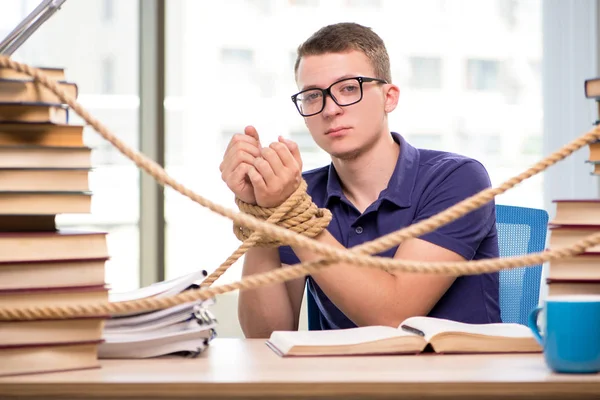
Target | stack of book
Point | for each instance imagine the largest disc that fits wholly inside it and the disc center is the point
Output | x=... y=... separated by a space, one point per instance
x=575 y=220
x=592 y=91
x=44 y=169
x=184 y=330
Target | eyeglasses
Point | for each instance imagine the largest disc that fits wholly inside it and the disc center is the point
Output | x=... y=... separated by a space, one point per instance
x=344 y=92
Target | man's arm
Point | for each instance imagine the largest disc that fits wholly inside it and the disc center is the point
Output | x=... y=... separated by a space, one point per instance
x=270 y=307
x=376 y=297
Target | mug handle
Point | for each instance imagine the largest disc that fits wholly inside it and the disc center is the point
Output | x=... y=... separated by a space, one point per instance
x=533 y=325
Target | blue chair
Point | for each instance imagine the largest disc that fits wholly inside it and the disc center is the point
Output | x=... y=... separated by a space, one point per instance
x=521 y=230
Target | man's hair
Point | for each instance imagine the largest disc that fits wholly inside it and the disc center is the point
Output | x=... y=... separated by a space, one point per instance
x=344 y=37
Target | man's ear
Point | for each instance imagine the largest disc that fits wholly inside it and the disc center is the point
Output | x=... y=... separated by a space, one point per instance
x=392 y=95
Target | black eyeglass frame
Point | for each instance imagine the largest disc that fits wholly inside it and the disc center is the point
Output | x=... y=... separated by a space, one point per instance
x=327 y=91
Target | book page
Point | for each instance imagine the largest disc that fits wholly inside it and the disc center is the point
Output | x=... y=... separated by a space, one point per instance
x=285 y=340
x=433 y=326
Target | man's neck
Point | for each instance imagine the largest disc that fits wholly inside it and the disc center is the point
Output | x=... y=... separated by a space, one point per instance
x=364 y=177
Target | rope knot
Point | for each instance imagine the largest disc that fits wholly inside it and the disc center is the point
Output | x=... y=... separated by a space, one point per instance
x=298 y=214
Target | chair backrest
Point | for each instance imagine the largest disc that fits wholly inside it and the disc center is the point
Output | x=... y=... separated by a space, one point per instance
x=521 y=230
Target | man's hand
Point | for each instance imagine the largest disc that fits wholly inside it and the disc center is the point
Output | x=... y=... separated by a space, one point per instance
x=277 y=173
x=238 y=160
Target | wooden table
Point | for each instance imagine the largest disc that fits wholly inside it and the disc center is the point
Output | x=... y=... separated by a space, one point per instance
x=237 y=368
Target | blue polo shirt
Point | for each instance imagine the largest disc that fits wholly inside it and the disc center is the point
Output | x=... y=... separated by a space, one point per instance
x=424 y=183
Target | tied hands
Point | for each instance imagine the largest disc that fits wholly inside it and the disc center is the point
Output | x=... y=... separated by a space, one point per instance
x=263 y=176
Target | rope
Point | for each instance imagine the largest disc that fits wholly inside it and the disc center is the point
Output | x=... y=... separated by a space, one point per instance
x=298 y=213
x=262 y=229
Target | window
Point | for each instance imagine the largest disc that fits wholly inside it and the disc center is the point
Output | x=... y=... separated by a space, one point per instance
x=292 y=57
x=108 y=10
x=492 y=145
x=237 y=65
x=108 y=89
x=304 y=3
x=108 y=74
x=305 y=142
x=455 y=81
x=363 y=3
x=225 y=138
x=508 y=10
x=425 y=140
x=264 y=6
x=425 y=72
x=237 y=56
x=532 y=145
x=482 y=75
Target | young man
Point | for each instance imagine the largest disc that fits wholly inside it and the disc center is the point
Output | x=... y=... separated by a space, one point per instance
x=376 y=183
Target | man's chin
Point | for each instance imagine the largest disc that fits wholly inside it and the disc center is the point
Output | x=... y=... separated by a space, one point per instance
x=346 y=155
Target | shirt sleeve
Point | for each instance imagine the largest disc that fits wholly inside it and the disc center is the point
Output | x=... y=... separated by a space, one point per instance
x=464 y=235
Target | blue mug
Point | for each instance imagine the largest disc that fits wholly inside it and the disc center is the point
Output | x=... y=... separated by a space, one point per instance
x=571 y=337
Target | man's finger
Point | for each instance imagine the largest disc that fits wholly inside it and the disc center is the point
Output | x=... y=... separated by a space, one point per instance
x=285 y=155
x=293 y=149
x=231 y=163
x=265 y=170
x=256 y=178
x=273 y=159
x=246 y=147
x=239 y=173
x=238 y=138
x=252 y=132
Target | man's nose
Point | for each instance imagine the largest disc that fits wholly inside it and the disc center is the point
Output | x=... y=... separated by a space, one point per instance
x=331 y=108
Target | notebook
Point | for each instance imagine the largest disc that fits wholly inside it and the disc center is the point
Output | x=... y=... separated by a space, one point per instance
x=413 y=335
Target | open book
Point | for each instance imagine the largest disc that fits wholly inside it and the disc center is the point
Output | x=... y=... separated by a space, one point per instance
x=414 y=335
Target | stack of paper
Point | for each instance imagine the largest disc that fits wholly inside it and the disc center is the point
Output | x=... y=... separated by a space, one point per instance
x=184 y=329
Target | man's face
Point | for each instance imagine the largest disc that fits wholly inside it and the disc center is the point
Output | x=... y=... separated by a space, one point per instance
x=344 y=132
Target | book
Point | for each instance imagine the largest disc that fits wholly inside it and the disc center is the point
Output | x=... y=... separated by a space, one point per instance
x=51 y=72
x=41 y=134
x=39 y=156
x=566 y=235
x=162 y=289
x=158 y=318
x=187 y=343
x=38 y=332
x=582 y=267
x=596 y=169
x=594 y=152
x=40 y=273
x=572 y=286
x=34 y=112
x=44 y=179
x=28 y=90
x=413 y=336
x=27 y=223
x=60 y=245
x=592 y=88
x=184 y=329
x=44 y=203
x=577 y=212
x=62 y=357
x=51 y=297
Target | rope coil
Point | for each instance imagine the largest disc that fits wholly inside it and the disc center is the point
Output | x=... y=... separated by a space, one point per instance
x=300 y=215
x=258 y=230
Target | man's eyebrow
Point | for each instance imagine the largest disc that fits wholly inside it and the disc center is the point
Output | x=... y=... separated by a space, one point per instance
x=335 y=80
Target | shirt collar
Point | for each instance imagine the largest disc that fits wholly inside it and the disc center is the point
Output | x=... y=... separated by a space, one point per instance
x=401 y=184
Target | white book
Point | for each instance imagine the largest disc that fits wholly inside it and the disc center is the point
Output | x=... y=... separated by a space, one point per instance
x=188 y=342
x=159 y=318
x=413 y=335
